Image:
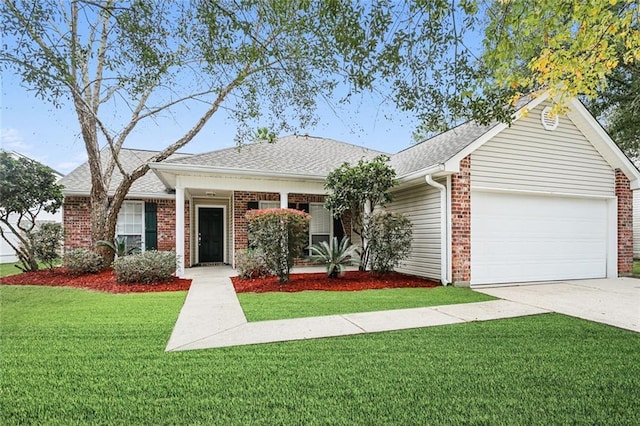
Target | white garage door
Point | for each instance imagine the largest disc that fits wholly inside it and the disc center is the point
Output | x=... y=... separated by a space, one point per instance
x=520 y=238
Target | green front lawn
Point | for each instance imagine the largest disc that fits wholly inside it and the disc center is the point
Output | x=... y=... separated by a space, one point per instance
x=636 y=267
x=79 y=357
x=269 y=306
x=7 y=269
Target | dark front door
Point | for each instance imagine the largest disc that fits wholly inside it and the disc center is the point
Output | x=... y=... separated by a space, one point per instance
x=211 y=235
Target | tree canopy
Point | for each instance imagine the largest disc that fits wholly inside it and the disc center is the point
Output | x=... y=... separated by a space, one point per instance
x=565 y=47
x=267 y=64
x=618 y=107
x=26 y=189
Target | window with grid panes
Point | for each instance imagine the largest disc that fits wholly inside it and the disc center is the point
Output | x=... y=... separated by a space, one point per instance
x=130 y=225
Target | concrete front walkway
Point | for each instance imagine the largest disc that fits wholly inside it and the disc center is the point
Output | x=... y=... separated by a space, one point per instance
x=613 y=301
x=212 y=317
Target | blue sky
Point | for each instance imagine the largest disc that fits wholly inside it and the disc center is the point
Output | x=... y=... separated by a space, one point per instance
x=37 y=129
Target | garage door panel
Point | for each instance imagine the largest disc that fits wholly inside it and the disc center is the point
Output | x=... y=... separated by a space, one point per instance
x=520 y=238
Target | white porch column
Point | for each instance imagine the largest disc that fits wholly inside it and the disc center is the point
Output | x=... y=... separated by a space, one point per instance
x=180 y=230
x=284 y=200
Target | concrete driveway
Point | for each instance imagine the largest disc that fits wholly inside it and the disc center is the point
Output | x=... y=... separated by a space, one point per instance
x=609 y=301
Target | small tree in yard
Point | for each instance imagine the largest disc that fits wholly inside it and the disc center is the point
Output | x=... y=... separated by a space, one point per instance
x=389 y=236
x=46 y=241
x=281 y=234
x=26 y=189
x=356 y=188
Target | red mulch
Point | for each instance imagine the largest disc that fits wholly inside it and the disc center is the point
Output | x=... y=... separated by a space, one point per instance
x=104 y=281
x=350 y=281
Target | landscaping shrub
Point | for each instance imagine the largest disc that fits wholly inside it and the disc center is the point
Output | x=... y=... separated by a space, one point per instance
x=335 y=255
x=82 y=261
x=252 y=264
x=281 y=234
x=46 y=242
x=118 y=247
x=388 y=237
x=149 y=267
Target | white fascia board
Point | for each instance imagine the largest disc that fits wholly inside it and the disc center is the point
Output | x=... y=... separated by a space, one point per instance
x=420 y=174
x=190 y=168
x=603 y=142
x=453 y=164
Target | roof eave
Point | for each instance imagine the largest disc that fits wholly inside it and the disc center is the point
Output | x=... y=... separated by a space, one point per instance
x=161 y=168
x=145 y=195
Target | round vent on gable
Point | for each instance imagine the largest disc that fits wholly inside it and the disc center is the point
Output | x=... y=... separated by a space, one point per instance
x=549 y=120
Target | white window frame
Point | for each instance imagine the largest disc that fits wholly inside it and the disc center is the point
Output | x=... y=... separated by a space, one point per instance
x=311 y=234
x=268 y=204
x=142 y=221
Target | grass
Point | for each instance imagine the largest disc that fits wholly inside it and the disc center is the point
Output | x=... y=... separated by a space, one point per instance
x=636 y=267
x=78 y=357
x=269 y=306
x=7 y=269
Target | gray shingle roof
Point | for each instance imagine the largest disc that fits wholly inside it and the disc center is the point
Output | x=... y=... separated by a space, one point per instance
x=296 y=155
x=437 y=149
x=293 y=155
x=79 y=180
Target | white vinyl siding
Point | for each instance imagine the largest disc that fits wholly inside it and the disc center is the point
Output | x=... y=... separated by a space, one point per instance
x=528 y=158
x=636 y=224
x=421 y=204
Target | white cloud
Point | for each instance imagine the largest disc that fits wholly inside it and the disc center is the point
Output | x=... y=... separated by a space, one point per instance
x=67 y=166
x=12 y=140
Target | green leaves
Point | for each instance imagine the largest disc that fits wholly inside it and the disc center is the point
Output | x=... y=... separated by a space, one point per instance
x=349 y=188
x=335 y=255
x=566 y=47
x=280 y=234
x=27 y=186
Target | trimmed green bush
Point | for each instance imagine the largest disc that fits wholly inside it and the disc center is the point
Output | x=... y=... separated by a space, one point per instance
x=82 y=261
x=46 y=242
x=281 y=234
x=388 y=236
x=149 y=267
x=252 y=264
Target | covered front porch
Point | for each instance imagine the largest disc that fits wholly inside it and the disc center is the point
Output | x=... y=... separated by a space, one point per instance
x=212 y=225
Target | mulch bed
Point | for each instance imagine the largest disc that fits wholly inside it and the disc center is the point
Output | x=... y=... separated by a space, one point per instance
x=104 y=281
x=350 y=281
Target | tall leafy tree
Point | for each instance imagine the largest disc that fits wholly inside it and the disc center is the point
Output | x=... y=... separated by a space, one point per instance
x=121 y=63
x=567 y=47
x=26 y=189
x=357 y=190
x=618 y=107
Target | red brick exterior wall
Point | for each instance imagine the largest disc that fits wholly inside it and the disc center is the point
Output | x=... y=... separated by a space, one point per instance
x=461 y=223
x=240 y=201
x=242 y=198
x=625 y=224
x=77 y=223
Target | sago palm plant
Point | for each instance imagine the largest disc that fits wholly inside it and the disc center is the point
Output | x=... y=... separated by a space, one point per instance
x=335 y=255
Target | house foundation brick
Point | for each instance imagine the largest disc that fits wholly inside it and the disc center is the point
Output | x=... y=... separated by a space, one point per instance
x=624 y=196
x=461 y=224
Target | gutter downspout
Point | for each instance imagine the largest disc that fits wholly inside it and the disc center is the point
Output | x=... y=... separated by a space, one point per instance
x=444 y=261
